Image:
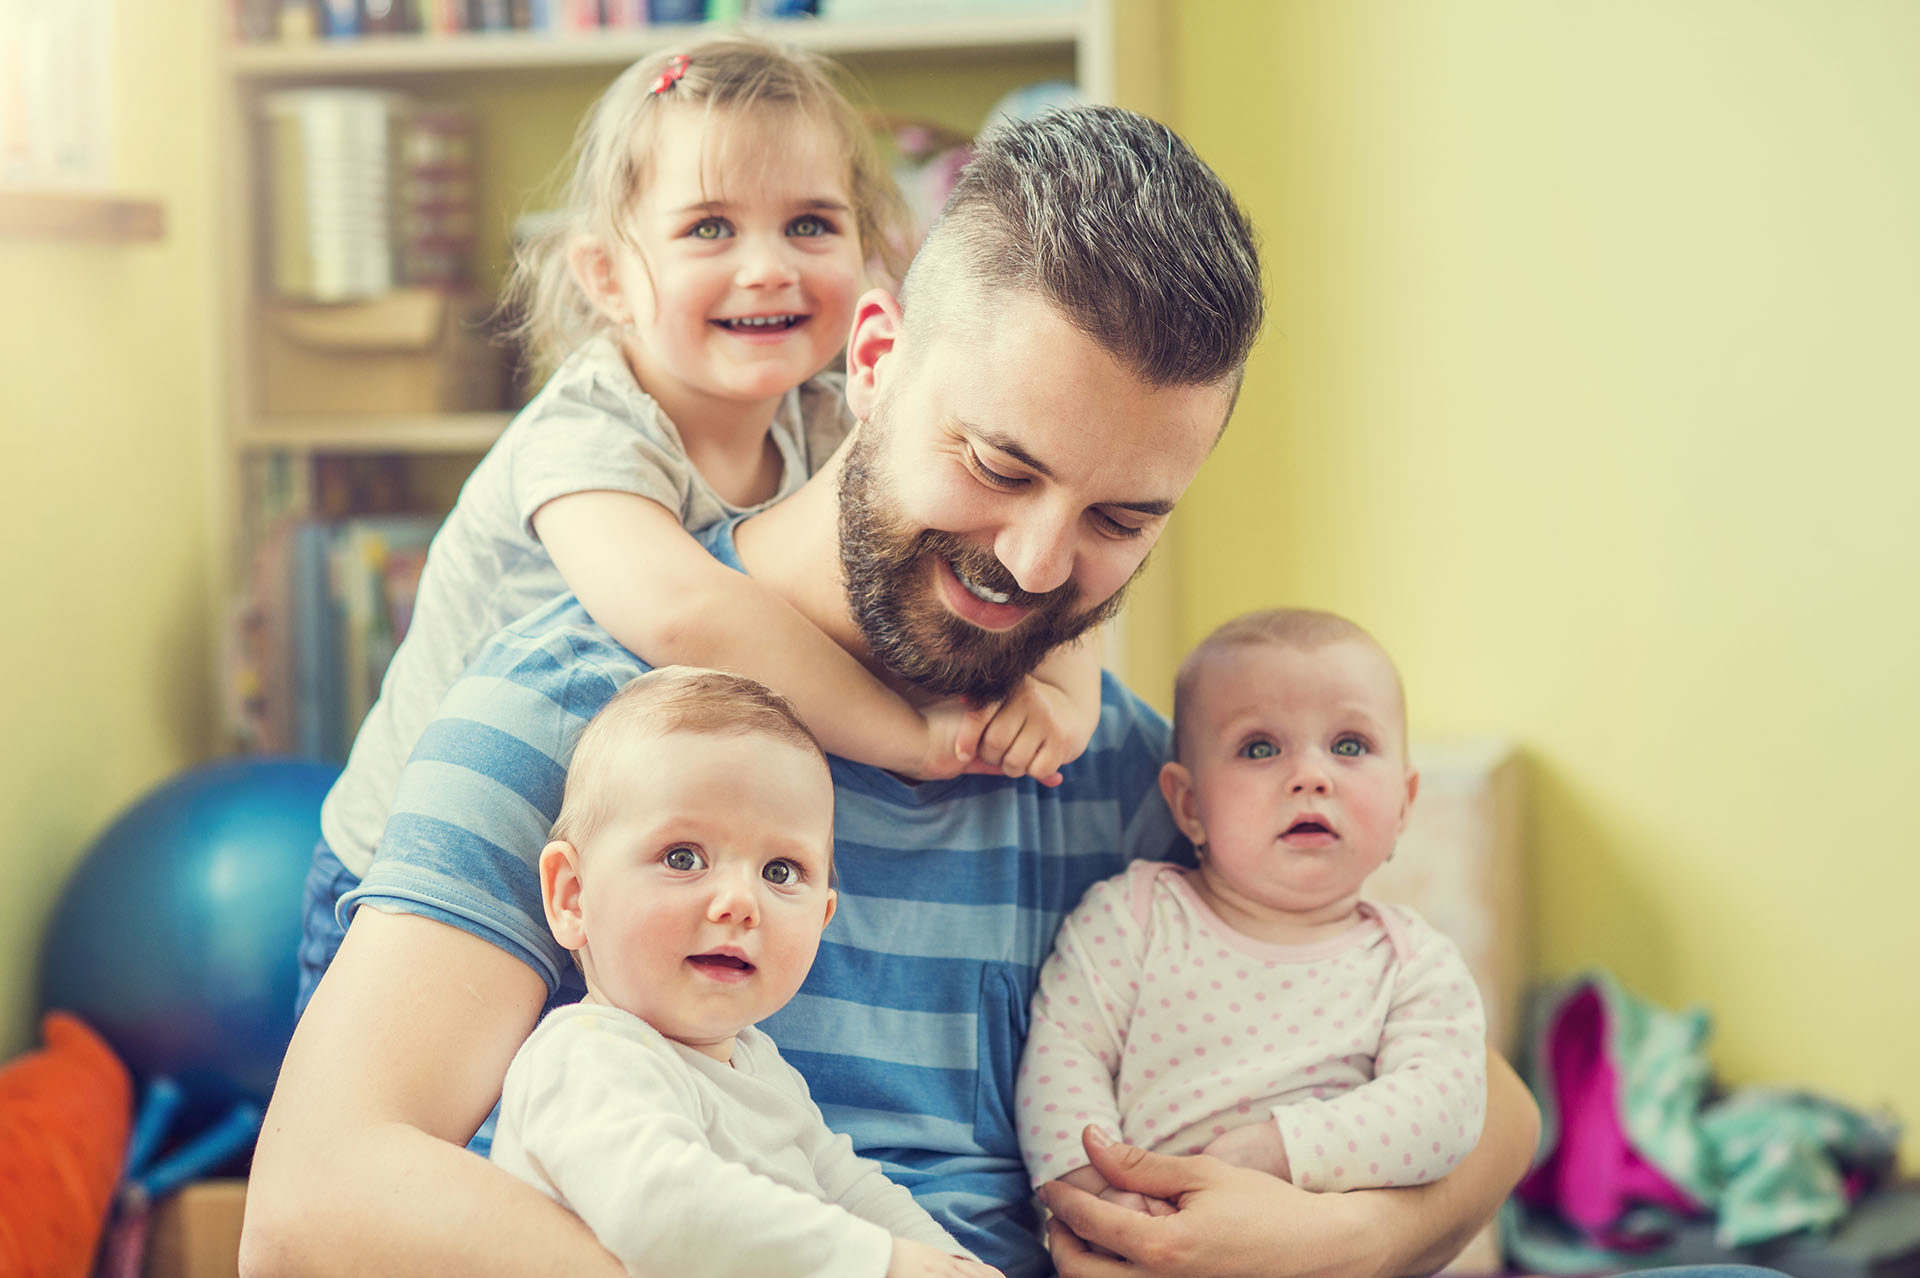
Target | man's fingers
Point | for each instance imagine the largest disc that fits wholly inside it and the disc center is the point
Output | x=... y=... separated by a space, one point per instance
x=1074 y=1259
x=1116 y=1228
x=1130 y=1167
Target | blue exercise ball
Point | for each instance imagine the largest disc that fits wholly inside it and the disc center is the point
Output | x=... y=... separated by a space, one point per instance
x=176 y=935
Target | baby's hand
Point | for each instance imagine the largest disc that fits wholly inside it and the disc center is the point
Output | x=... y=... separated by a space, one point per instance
x=953 y=740
x=1034 y=731
x=917 y=1260
x=1258 y=1146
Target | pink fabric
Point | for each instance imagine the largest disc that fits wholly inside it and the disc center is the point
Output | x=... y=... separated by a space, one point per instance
x=1593 y=1175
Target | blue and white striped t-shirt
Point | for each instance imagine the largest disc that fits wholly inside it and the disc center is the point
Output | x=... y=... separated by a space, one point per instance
x=909 y=1028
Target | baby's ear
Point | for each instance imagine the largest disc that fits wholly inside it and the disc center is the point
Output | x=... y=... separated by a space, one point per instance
x=560 y=893
x=1413 y=792
x=1176 y=784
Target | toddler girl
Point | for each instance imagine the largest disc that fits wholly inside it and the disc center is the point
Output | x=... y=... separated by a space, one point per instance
x=722 y=206
x=1257 y=1007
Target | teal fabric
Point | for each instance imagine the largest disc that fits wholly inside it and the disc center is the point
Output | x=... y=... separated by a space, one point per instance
x=1766 y=1162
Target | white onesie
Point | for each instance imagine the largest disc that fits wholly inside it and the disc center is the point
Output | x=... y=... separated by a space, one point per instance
x=1156 y=1020
x=682 y=1164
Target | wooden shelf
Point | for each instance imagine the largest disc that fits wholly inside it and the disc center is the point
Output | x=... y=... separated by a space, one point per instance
x=76 y=215
x=375 y=56
x=424 y=433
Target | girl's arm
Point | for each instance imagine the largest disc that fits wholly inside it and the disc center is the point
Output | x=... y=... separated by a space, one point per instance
x=655 y=589
x=1049 y=720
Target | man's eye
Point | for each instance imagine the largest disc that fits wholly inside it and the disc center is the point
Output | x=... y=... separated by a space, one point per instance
x=709 y=228
x=1258 y=750
x=1115 y=528
x=808 y=224
x=1350 y=747
x=989 y=476
x=781 y=873
x=683 y=858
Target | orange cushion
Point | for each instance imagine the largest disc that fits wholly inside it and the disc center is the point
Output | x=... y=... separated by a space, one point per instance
x=65 y=1112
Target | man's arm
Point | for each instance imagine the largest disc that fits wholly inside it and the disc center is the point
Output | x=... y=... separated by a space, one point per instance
x=1232 y=1221
x=361 y=1167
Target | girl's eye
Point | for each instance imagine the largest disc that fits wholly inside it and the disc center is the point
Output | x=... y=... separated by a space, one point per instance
x=990 y=477
x=683 y=858
x=1349 y=747
x=709 y=228
x=809 y=224
x=781 y=873
x=1258 y=750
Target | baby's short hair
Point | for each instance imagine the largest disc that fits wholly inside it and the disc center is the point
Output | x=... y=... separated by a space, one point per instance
x=1302 y=628
x=661 y=701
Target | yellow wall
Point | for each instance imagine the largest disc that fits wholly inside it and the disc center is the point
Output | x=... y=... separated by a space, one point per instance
x=1589 y=386
x=105 y=561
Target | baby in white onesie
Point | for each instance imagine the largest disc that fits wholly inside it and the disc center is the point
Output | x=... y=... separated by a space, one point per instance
x=690 y=872
x=1258 y=1008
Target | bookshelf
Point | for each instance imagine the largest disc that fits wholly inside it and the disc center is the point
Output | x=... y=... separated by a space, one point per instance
x=946 y=62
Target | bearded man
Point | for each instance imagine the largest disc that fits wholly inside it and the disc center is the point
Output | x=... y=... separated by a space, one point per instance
x=1064 y=353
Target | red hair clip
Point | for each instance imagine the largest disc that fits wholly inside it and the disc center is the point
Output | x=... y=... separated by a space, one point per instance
x=676 y=67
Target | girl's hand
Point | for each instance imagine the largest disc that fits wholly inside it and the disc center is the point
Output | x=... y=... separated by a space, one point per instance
x=1034 y=731
x=952 y=742
x=1257 y=1145
x=917 y=1260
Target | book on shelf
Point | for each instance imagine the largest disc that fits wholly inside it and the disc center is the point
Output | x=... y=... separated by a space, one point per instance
x=326 y=605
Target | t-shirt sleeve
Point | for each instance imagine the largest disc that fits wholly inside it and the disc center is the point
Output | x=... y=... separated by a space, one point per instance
x=859 y=1185
x=611 y=1124
x=482 y=788
x=1423 y=1110
x=588 y=437
x=1081 y=1006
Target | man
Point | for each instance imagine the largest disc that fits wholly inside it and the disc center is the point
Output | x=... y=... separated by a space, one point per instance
x=1064 y=354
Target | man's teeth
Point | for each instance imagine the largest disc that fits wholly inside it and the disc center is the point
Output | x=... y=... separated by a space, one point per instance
x=978 y=591
x=762 y=321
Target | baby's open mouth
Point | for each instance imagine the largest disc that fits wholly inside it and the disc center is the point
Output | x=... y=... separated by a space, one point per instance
x=1309 y=826
x=728 y=961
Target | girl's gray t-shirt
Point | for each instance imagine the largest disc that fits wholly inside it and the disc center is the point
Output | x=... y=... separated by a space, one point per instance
x=590 y=428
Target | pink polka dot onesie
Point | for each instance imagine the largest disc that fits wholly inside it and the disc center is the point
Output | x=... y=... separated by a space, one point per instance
x=1156 y=1020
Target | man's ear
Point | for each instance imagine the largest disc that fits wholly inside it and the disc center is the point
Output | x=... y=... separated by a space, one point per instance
x=560 y=893
x=1176 y=784
x=593 y=271
x=877 y=326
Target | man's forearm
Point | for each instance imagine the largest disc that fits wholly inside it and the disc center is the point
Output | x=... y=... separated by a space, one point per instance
x=415 y=1205
x=1429 y=1226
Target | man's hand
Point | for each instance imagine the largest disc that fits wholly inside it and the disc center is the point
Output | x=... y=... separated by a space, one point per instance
x=917 y=1260
x=1228 y=1222
x=1257 y=1146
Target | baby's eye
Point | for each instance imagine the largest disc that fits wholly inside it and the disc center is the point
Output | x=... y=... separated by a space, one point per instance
x=809 y=224
x=1258 y=750
x=781 y=873
x=709 y=228
x=1349 y=747
x=684 y=857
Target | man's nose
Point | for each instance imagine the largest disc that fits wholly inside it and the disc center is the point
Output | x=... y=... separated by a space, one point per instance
x=1038 y=550
x=735 y=899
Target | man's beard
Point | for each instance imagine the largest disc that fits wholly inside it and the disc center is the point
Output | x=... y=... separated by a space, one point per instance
x=889 y=570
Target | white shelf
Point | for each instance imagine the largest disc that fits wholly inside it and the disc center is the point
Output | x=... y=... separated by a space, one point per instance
x=425 y=433
x=378 y=55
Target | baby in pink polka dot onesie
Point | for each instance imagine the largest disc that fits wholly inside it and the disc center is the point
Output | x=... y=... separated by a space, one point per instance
x=1257 y=1008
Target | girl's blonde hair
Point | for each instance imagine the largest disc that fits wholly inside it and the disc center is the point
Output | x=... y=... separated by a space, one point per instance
x=610 y=168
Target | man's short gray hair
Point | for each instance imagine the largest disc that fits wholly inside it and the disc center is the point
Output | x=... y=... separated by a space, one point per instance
x=1111 y=219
